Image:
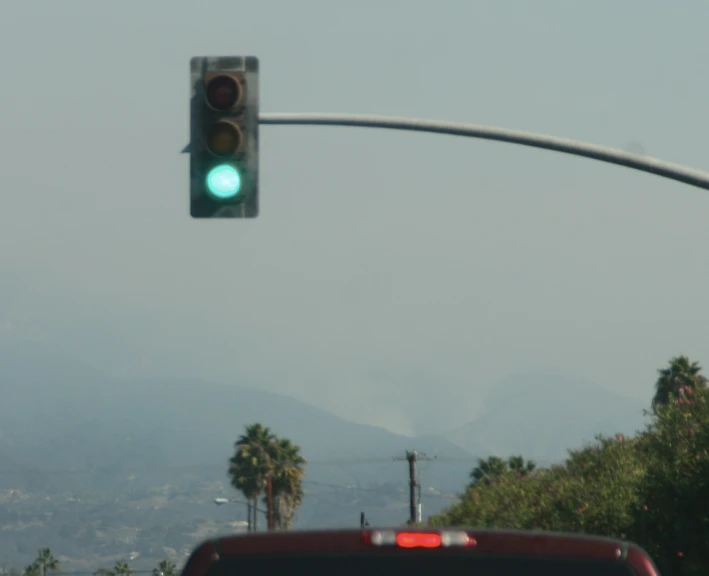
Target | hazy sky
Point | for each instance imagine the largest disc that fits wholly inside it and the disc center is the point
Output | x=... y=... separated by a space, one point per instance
x=392 y=278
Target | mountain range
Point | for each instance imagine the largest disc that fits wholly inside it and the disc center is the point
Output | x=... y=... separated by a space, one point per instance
x=61 y=415
x=543 y=415
x=103 y=467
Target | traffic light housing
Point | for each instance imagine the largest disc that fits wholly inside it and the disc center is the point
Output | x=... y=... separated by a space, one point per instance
x=224 y=137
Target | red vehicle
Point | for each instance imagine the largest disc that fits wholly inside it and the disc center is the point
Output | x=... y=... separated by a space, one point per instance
x=418 y=552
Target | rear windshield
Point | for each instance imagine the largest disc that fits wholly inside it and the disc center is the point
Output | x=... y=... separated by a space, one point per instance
x=413 y=564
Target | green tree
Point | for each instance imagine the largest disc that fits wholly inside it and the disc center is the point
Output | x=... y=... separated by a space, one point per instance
x=286 y=481
x=518 y=465
x=45 y=562
x=122 y=569
x=673 y=518
x=260 y=454
x=488 y=470
x=31 y=570
x=593 y=491
x=678 y=380
x=165 y=568
x=250 y=465
x=602 y=484
x=652 y=488
x=495 y=469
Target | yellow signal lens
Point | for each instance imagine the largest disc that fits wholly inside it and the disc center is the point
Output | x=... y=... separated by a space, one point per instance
x=224 y=139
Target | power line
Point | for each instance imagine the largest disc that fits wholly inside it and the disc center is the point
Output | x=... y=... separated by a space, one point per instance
x=170 y=467
x=166 y=468
x=380 y=490
x=389 y=491
x=348 y=487
x=413 y=485
x=70 y=472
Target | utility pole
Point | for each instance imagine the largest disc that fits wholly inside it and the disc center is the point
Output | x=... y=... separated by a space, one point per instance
x=419 y=515
x=412 y=458
x=270 y=502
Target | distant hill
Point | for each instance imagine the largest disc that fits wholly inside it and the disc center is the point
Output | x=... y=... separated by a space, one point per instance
x=59 y=414
x=102 y=467
x=541 y=416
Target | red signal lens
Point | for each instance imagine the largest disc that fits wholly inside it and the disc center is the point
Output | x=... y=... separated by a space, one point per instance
x=418 y=540
x=223 y=92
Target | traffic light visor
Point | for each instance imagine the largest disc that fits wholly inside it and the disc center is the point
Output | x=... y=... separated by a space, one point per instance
x=223 y=92
x=223 y=181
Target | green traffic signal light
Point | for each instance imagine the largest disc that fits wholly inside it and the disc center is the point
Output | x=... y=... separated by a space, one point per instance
x=224 y=129
x=223 y=181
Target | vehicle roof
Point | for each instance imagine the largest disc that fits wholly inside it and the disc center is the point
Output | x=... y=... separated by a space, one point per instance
x=486 y=541
x=489 y=541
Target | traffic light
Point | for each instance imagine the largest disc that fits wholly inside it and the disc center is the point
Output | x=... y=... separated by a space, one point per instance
x=224 y=137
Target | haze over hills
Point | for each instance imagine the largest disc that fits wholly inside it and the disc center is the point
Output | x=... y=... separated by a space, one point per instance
x=96 y=466
x=126 y=458
x=542 y=416
x=60 y=414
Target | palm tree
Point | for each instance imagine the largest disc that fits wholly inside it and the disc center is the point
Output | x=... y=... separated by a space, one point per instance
x=250 y=465
x=286 y=481
x=122 y=569
x=45 y=562
x=165 y=568
x=31 y=570
x=674 y=383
